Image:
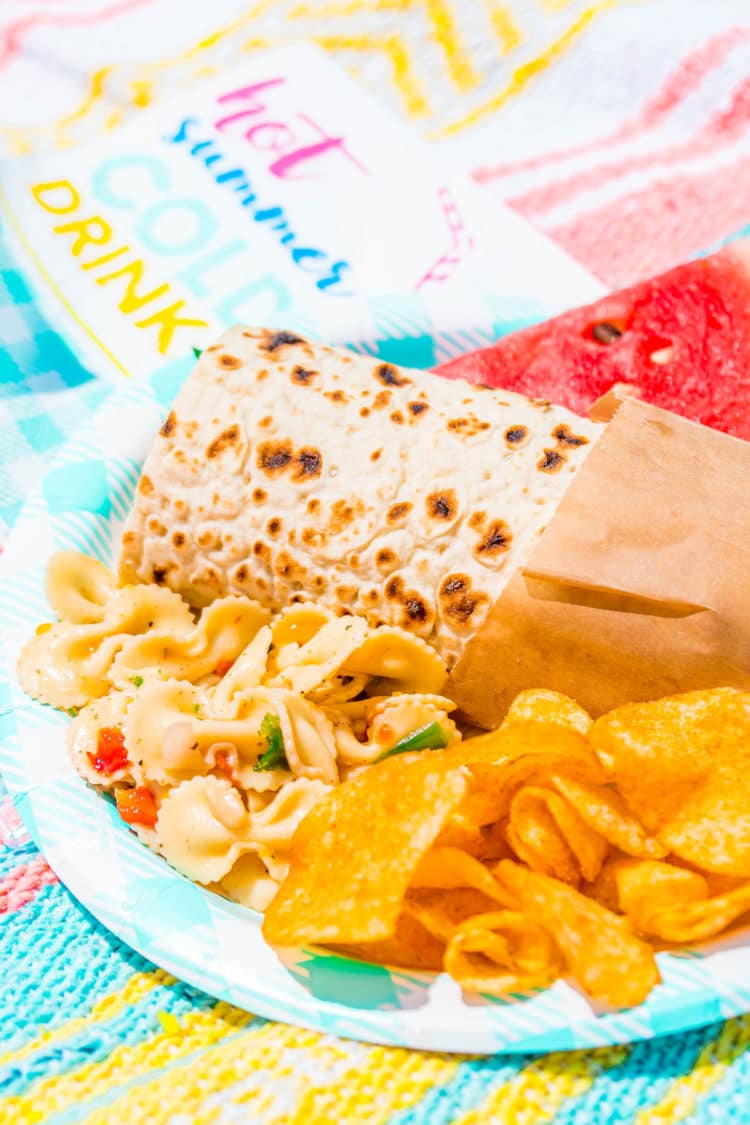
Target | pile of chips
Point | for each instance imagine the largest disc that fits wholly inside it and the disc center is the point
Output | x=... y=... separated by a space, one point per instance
x=552 y=847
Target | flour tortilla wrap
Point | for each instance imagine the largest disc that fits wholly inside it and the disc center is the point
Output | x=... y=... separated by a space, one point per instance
x=291 y=471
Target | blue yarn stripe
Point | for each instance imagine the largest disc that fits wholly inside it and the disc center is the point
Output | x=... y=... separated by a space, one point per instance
x=132 y=1025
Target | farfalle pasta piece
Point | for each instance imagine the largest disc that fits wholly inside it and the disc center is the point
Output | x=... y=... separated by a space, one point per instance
x=224 y=630
x=247 y=673
x=404 y=661
x=68 y=664
x=249 y=883
x=203 y=828
x=391 y=719
x=85 y=741
x=78 y=587
x=303 y=668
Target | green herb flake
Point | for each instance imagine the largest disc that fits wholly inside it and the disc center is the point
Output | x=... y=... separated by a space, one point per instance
x=274 y=758
x=137 y=680
x=72 y=711
x=197 y=708
x=197 y=352
x=430 y=737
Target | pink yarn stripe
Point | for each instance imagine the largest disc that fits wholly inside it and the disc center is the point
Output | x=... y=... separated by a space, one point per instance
x=651 y=230
x=686 y=78
x=24 y=884
x=723 y=127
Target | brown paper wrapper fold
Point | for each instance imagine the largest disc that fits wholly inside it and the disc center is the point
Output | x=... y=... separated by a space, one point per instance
x=639 y=587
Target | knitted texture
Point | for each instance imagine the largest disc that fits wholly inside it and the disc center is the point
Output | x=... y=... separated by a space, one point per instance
x=619 y=128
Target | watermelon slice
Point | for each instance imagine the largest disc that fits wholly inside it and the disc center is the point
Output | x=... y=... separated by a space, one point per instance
x=680 y=340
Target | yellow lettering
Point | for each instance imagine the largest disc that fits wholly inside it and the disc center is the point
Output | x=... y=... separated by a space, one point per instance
x=131 y=302
x=85 y=229
x=169 y=322
x=41 y=191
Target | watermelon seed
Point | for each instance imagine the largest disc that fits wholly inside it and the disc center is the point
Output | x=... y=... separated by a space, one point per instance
x=606 y=333
x=662 y=355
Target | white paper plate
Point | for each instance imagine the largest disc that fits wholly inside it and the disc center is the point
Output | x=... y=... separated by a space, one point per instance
x=200 y=937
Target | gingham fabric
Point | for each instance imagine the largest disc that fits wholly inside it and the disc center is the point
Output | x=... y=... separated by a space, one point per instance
x=622 y=129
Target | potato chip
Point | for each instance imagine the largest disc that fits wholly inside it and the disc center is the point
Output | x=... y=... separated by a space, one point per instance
x=411 y=947
x=484 y=842
x=668 y=902
x=538 y=705
x=604 y=810
x=355 y=853
x=501 y=952
x=682 y=766
x=547 y=834
x=441 y=912
x=599 y=948
x=448 y=869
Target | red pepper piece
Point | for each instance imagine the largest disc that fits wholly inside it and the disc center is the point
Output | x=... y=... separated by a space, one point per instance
x=137 y=806
x=110 y=754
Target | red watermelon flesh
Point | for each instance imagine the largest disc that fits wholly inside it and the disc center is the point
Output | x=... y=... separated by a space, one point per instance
x=682 y=338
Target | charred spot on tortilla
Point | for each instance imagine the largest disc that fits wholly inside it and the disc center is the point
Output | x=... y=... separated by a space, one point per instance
x=242 y=573
x=397 y=417
x=259 y=495
x=390 y=376
x=225 y=440
x=342 y=514
x=276 y=340
x=320 y=582
x=287 y=567
x=495 y=541
x=146 y=485
x=159 y=575
x=364 y=411
x=179 y=539
x=385 y=558
x=313 y=505
x=308 y=464
x=551 y=462
x=376 y=454
x=273 y=527
x=468 y=427
x=418 y=408
x=309 y=536
x=564 y=436
x=381 y=400
x=336 y=396
x=442 y=505
x=170 y=425
x=261 y=550
x=229 y=362
x=458 y=600
x=303 y=375
x=516 y=435
x=265 y=422
x=398 y=511
x=274 y=457
x=155 y=526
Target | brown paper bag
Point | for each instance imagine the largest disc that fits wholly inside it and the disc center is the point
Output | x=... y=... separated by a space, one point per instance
x=639 y=587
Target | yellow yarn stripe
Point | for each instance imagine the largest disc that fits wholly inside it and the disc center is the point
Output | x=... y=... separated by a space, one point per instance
x=438 y=12
x=537 y=1093
x=505 y=27
x=52 y=1095
x=710 y=1067
x=387 y=1081
x=259 y=1073
x=528 y=70
x=403 y=76
x=248 y=1067
x=95 y=93
x=139 y=985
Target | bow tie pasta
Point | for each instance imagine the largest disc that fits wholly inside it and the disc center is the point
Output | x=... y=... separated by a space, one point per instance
x=217 y=733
